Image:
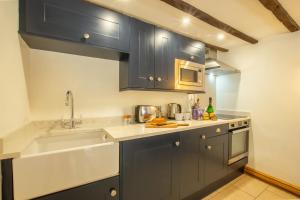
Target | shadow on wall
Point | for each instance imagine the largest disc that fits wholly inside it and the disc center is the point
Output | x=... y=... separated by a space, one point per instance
x=227 y=91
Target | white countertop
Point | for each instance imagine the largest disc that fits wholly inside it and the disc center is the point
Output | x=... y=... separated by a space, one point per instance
x=134 y=131
x=13 y=144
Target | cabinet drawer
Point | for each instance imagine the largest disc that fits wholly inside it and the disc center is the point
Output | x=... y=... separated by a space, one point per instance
x=214 y=130
x=209 y=132
x=107 y=189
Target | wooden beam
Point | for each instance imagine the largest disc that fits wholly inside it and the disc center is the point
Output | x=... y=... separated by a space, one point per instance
x=185 y=7
x=211 y=46
x=281 y=14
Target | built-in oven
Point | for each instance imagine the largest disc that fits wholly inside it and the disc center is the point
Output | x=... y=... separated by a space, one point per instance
x=189 y=75
x=238 y=140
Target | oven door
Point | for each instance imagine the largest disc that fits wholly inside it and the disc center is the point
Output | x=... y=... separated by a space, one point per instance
x=238 y=144
x=190 y=75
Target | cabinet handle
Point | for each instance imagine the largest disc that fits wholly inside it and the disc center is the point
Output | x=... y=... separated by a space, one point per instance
x=113 y=192
x=86 y=36
x=203 y=137
x=192 y=57
x=209 y=147
x=159 y=79
x=218 y=130
x=177 y=143
x=151 y=78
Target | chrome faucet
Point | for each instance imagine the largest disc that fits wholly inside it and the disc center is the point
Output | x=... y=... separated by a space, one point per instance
x=72 y=122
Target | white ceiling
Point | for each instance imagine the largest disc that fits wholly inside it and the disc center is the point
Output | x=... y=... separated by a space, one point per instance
x=248 y=16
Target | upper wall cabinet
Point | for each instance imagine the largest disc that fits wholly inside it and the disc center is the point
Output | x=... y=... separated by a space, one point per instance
x=191 y=50
x=137 y=70
x=150 y=64
x=165 y=53
x=74 y=21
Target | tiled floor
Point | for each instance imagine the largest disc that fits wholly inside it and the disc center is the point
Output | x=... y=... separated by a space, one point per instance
x=247 y=187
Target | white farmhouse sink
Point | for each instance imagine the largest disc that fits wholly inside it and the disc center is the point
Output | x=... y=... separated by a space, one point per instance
x=66 y=141
x=55 y=163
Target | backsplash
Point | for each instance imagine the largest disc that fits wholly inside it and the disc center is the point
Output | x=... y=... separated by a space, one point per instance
x=95 y=85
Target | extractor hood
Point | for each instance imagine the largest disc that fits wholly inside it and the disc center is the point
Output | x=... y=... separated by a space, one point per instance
x=216 y=67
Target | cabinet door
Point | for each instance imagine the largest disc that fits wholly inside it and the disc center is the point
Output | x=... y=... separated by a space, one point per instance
x=77 y=21
x=191 y=166
x=191 y=50
x=150 y=168
x=215 y=158
x=107 y=189
x=141 y=58
x=165 y=48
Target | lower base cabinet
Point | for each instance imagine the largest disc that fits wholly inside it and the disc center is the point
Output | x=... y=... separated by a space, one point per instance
x=214 y=153
x=107 y=189
x=191 y=165
x=149 y=168
x=174 y=166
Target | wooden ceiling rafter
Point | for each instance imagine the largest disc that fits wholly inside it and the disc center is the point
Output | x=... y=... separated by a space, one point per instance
x=190 y=9
x=281 y=14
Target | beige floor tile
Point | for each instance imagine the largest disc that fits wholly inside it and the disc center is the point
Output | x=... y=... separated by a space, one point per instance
x=251 y=185
x=281 y=193
x=232 y=193
x=231 y=183
x=210 y=196
x=267 y=195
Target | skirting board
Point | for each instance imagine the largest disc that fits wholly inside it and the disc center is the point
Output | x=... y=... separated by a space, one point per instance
x=274 y=181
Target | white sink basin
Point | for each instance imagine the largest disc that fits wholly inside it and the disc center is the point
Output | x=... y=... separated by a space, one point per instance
x=66 y=141
x=55 y=163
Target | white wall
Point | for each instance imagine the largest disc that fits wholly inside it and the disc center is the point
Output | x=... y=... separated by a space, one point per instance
x=95 y=84
x=268 y=87
x=14 y=110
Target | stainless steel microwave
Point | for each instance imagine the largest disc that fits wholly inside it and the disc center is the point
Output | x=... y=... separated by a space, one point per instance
x=189 y=75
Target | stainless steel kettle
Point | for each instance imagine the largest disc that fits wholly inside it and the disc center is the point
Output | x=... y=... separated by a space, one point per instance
x=173 y=108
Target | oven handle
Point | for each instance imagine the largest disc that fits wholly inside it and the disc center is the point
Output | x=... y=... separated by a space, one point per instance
x=240 y=130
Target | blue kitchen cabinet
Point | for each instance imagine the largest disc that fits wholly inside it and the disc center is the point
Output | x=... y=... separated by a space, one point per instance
x=191 y=50
x=73 y=26
x=151 y=59
x=150 y=167
x=203 y=158
x=137 y=69
x=107 y=189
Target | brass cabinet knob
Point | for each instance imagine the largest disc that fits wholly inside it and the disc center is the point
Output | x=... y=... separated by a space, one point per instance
x=203 y=137
x=113 y=192
x=151 y=78
x=177 y=143
x=86 y=36
x=209 y=147
x=218 y=130
x=159 y=79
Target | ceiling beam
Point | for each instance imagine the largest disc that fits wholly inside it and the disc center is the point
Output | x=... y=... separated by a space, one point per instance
x=211 y=46
x=187 y=8
x=281 y=14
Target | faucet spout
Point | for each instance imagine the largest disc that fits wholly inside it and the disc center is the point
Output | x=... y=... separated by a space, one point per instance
x=70 y=102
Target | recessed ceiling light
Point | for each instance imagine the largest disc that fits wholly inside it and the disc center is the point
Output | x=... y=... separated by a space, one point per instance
x=220 y=36
x=186 y=21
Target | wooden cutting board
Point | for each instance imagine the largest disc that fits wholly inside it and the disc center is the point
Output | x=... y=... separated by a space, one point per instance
x=164 y=125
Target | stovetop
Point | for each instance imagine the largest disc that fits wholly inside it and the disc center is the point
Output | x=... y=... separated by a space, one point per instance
x=228 y=117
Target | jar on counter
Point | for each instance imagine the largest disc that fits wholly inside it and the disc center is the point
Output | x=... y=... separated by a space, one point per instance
x=127 y=119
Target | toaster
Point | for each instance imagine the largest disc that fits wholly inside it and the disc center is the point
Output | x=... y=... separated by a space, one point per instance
x=145 y=113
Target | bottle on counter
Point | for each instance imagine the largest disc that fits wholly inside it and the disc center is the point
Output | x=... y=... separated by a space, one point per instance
x=210 y=108
x=197 y=111
x=210 y=111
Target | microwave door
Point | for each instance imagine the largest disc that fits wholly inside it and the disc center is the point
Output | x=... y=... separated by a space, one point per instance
x=190 y=76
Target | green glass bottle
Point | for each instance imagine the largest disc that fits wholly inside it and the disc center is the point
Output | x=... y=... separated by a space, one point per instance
x=210 y=108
